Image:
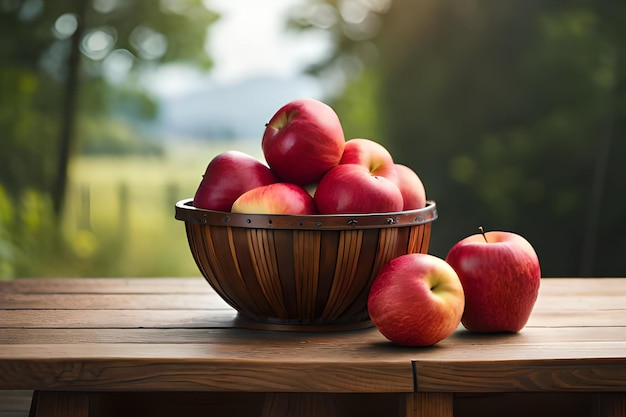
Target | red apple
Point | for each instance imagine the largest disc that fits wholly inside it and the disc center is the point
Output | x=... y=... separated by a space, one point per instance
x=229 y=175
x=500 y=274
x=370 y=154
x=351 y=188
x=302 y=141
x=416 y=300
x=277 y=198
x=411 y=187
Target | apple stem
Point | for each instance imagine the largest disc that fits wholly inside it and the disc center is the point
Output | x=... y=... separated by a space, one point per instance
x=482 y=231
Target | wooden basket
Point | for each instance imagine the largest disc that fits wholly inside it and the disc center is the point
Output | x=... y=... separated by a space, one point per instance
x=310 y=273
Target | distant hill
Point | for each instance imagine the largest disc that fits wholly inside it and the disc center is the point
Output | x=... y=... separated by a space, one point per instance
x=237 y=111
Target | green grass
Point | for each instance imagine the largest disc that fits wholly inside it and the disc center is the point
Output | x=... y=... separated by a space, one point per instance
x=137 y=236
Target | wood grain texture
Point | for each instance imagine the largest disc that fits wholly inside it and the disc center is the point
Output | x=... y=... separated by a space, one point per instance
x=176 y=334
x=522 y=375
x=192 y=285
x=200 y=301
x=151 y=371
x=427 y=404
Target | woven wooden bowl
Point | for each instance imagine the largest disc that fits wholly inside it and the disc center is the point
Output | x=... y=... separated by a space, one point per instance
x=310 y=273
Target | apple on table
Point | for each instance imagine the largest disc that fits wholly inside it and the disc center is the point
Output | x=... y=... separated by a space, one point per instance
x=501 y=275
x=416 y=300
x=227 y=176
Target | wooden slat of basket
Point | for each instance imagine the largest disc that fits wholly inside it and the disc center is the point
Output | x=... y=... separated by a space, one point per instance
x=368 y=267
x=415 y=240
x=251 y=287
x=419 y=239
x=386 y=248
x=345 y=272
x=262 y=250
x=284 y=247
x=370 y=259
x=329 y=247
x=354 y=243
x=306 y=263
x=221 y=244
x=425 y=237
x=403 y=240
x=197 y=238
x=206 y=259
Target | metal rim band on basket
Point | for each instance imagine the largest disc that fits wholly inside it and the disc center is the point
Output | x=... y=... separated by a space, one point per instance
x=187 y=212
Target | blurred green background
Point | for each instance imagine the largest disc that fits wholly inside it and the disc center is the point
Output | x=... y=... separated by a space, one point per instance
x=512 y=113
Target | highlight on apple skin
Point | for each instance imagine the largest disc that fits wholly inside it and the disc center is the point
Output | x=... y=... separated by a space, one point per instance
x=351 y=188
x=501 y=275
x=277 y=198
x=416 y=300
x=302 y=141
x=227 y=176
x=372 y=155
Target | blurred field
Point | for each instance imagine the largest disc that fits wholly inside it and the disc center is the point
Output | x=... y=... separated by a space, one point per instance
x=120 y=212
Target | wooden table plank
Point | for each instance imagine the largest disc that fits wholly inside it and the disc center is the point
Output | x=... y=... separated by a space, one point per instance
x=550 y=287
x=549 y=374
x=225 y=318
x=118 y=319
x=208 y=299
x=279 y=352
x=202 y=301
x=197 y=285
x=586 y=365
x=566 y=287
x=529 y=338
x=427 y=404
x=175 y=334
x=156 y=368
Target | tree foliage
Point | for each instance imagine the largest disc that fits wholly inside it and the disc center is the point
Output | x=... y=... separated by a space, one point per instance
x=117 y=41
x=69 y=82
x=514 y=116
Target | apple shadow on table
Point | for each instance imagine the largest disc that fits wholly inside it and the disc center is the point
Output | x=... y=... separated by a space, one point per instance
x=393 y=347
x=467 y=335
x=460 y=334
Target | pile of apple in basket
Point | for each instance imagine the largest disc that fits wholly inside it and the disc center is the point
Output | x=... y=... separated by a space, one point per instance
x=489 y=281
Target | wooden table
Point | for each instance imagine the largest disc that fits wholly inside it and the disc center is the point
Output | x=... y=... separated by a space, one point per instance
x=172 y=347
